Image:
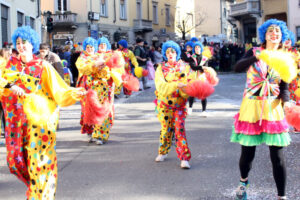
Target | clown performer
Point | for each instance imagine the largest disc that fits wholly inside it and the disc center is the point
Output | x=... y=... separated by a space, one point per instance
x=261 y=117
x=197 y=61
x=95 y=75
x=31 y=144
x=170 y=80
x=129 y=57
x=294 y=86
x=186 y=56
x=109 y=78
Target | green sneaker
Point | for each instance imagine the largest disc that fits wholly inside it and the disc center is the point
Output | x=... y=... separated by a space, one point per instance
x=241 y=191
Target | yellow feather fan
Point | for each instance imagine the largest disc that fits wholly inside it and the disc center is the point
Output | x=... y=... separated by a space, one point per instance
x=38 y=109
x=138 y=71
x=282 y=62
x=297 y=92
x=207 y=53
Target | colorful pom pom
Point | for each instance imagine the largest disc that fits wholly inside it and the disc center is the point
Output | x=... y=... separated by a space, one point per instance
x=138 y=71
x=282 y=62
x=293 y=116
x=145 y=72
x=38 y=109
x=199 y=89
x=207 y=52
x=95 y=112
x=116 y=60
x=130 y=82
x=211 y=76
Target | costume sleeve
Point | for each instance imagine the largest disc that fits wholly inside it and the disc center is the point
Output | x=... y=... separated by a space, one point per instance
x=133 y=59
x=85 y=66
x=163 y=87
x=116 y=75
x=56 y=87
x=3 y=82
x=243 y=64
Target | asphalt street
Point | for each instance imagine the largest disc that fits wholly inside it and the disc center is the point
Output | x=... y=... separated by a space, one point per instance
x=124 y=168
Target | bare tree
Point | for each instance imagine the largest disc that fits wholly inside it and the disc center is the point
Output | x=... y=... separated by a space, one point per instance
x=187 y=24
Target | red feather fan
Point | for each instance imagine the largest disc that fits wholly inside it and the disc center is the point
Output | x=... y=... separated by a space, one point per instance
x=293 y=116
x=130 y=82
x=211 y=78
x=116 y=60
x=145 y=72
x=199 y=89
x=95 y=112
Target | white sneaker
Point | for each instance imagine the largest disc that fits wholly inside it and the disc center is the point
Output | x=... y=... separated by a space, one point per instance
x=99 y=141
x=161 y=158
x=204 y=114
x=185 y=164
x=190 y=111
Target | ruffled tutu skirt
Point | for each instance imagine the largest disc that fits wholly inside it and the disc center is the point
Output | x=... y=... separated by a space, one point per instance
x=256 y=124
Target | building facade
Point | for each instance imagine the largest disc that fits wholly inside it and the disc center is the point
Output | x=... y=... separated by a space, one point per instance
x=116 y=19
x=18 y=13
x=294 y=17
x=215 y=27
x=248 y=15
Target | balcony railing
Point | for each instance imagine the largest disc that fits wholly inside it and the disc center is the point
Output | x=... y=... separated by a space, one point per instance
x=142 y=25
x=248 y=7
x=64 y=19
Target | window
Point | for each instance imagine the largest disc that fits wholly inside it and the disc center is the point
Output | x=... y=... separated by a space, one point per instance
x=20 y=18
x=155 y=13
x=32 y=25
x=62 y=5
x=168 y=15
x=4 y=23
x=103 y=8
x=138 y=10
x=298 y=32
x=123 y=9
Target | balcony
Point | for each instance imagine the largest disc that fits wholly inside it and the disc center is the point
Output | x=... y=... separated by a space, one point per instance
x=248 y=8
x=142 y=25
x=64 y=19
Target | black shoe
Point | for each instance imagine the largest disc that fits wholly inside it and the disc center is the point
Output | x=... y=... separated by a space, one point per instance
x=116 y=96
x=140 y=89
x=146 y=88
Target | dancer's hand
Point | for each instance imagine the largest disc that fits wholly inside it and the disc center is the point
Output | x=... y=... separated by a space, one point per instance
x=80 y=92
x=287 y=105
x=17 y=90
x=100 y=63
x=181 y=86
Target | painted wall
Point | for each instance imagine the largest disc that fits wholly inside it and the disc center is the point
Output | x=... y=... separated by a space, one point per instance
x=28 y=8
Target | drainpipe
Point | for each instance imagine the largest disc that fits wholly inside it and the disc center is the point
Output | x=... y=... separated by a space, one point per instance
x=221 y=16
x=115 y=15
x=148 y=11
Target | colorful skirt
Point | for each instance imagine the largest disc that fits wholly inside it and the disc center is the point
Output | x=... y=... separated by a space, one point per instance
x=261 y=122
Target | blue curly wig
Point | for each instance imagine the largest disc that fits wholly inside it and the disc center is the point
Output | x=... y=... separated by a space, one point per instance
x=90 y=41
x=198 y=44
x=263 y=29
x=189 y=43
x=105 y=41
x=194 y=39
x=123 y=43
x=292 y=37
x=173 y=45
x=28 y=34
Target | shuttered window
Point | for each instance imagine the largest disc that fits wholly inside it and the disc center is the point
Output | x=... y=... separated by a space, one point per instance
x=4 y=23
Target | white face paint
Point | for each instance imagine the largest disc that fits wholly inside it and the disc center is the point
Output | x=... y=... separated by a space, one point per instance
x=171 y=55
x=23 y=47
x=102 y=47
x=90 y=49
x=198 y=50
x=274 y=34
